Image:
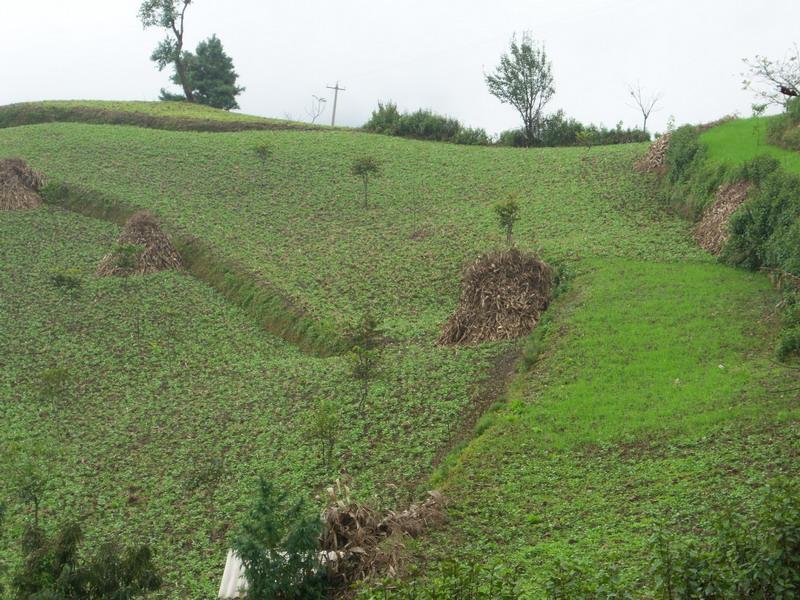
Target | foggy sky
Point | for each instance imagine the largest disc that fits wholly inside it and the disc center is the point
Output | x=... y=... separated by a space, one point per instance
x=421 y=54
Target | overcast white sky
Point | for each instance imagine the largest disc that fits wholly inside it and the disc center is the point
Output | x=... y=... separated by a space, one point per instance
x=419 y=53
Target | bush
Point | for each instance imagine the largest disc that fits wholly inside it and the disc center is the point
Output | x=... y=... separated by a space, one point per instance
x=53 y=569
x=765 y=232
x=560 y=130
x=423 y=125
x=743 y=560
x=514 y=138
x=279 y=548
x=757 y=169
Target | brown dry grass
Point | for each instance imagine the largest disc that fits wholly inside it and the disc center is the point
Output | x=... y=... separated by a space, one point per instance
x=157 y=254
x=361 y=543
x=655 y=159
x=711 y=232
x=503 y=295
x=19 y=185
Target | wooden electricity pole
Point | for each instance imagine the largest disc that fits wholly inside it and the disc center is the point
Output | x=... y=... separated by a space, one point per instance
x=336 y=89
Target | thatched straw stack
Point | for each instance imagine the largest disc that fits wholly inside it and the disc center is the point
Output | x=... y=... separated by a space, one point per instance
x=712 y=230
x=19 y=185
x=360 y=543
x=157 y=253
x=503 y=295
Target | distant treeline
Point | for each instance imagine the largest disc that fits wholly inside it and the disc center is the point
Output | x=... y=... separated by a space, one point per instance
x=555 y=130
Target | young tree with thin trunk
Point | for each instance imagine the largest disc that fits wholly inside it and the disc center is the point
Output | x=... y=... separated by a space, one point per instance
x=169 y=15
x=507 y=212
x=644 y=102
x=364 y=167
x=524 y=79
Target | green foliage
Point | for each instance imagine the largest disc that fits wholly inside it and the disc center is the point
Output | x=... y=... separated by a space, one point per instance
x=507 y=212
x=53 y=569
x=766 y=231
x=365 y=343
x=211 y=76
x=467 y=581
x=423 y=125
x=524 y=79
x=68 y=280
x=757 y=169
x=559 y=130
x=364 y=167
x=574 y=581
x=759 y=559
x=278 y=547
x=324 y=425
x=263 y=152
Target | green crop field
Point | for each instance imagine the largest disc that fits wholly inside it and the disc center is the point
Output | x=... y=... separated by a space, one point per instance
x=649 y=395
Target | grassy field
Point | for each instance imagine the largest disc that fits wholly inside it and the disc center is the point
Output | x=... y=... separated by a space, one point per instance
x=740 y=140
x=159 y=115
x=167 y=383
x=656 y=402
x=654 y=397
x=297 y=220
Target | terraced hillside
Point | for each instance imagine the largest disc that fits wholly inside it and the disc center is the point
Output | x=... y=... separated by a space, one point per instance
x=652 y=376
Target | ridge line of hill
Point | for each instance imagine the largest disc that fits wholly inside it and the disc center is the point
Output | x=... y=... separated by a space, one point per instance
x=263 y=301
x=33 y=113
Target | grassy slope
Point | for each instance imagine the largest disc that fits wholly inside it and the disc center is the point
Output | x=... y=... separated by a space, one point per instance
x=646 y=309
x=740 y=140
x=160 y=115
x=655 y=402
x=165 y=379
x=297 y=221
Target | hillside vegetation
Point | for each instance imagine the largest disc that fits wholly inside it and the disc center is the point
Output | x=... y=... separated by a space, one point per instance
x=648 y=398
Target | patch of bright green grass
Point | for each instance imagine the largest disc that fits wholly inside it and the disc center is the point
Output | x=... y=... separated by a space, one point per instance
x=655 y=401
x=735 y=142
x=165 y=378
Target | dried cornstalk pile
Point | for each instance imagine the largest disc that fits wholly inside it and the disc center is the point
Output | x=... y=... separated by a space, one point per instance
x=361 y=543
x=157 y=253
x=503 y=295
x=656 y=157
x=19 y=185
x=712 y=230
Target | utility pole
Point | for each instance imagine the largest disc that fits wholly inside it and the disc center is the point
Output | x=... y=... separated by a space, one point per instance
x=336 y=89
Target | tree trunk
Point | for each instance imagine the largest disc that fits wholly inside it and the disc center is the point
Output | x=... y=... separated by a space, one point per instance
x=180 y=69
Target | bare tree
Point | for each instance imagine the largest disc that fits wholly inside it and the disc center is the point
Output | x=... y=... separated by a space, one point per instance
x=646 y=104
x=774 y=81
x=524 y=79
x=169 y=15
x=317 y=108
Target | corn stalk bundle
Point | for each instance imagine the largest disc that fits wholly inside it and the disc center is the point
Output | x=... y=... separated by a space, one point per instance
x=157 y=253
x=19 y=185
x=503 y=295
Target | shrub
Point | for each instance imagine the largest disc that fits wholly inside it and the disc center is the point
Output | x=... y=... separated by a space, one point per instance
x=514 y=138
x=54 y=569
x=423 y=125
x=323 y=429
x=757 y=169
x=507 y=212
x=765 y=231
x=684 y=149
x=68 y=281
x=743 y=560
x=571 y=581
x=279 y=548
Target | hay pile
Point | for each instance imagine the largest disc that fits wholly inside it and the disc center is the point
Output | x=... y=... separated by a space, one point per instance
x=712 y=230
x=19 y=185
x=503 y=294
x=360 y=543
x=656 y=157
x=157 y=253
